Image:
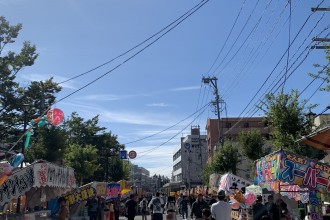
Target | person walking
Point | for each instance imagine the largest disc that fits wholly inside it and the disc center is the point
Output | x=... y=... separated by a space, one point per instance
x=93 y=208
x=171 y=208
x=258 y=209
x=184 y=207
x=156 y=205
x=116 y=206
x=179 y=202
x=272 y=208
x=221 y=210
x=63 y=213
x=144 y=208
x=197 y=207
x=131 y=207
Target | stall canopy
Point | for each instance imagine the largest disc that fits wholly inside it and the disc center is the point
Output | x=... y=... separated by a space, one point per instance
x=320 y=139
x=38 y=174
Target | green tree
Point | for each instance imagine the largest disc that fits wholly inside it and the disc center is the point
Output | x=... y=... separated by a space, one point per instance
x=251 y=144
x=10 y=64
x=224 y=160
x=48 y=143
x=82 y=132
x=38 y=95
x=287 y=119
x=324 y=72
x=83 y=159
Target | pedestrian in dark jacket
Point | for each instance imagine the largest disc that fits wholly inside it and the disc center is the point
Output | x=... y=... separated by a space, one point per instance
x=198 y=206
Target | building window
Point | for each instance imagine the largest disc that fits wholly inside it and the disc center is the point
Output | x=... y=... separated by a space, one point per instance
x=246 y=125
x=228 y=125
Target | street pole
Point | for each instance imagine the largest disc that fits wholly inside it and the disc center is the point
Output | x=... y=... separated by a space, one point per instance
x=214 y=83
x=25 y=110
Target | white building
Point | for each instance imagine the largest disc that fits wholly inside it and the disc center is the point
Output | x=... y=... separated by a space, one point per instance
x=189 y=159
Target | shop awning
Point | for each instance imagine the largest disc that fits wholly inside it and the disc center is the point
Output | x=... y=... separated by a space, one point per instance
x=320 y=139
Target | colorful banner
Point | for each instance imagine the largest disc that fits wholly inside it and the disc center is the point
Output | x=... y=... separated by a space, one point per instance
x=294 y=170
x=48 y=174
x=229 y=180
x=36 y=175
x=113 y=189
x=81 y=194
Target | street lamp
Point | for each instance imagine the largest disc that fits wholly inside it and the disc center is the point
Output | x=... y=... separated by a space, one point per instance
x=26 y=108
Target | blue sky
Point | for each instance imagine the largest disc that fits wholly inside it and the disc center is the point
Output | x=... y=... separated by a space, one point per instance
x=162 y=85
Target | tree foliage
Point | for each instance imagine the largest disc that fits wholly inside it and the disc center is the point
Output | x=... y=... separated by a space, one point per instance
x=83 y=159
x=251 y=144
x=286 y=116
x=224 y=160
x=87 y=132
x=324 y=72
x=38 y=95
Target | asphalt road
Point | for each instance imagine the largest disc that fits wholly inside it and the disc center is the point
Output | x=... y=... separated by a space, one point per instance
x=139 y=217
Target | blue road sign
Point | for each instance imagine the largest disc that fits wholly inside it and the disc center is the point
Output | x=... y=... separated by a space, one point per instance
x=123 y=154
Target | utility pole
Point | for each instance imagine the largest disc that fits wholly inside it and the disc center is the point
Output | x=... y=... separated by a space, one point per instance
x=318 y=38
x=214 y=84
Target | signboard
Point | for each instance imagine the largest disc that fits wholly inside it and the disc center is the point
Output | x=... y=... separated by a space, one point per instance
x=229 y=180
x=186 y=145
x=132 y=154
x=295 y=170
x=113 y=189
x=123 y=154
x=36 y=175
x=80 y=195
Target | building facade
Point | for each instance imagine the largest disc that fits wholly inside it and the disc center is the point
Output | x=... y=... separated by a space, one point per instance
x=189 y=159
x=140 y=177
x=230 y=129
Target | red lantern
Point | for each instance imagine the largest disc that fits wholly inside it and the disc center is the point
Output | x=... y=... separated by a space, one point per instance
x=55 y=116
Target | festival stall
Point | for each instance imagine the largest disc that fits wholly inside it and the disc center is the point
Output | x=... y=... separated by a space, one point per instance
x=36 y=184
x=296 y=177
x=78 y=198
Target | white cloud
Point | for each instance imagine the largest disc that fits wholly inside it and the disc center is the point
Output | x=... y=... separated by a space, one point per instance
x=107 y=97
x=42 y=77
x=126 y=117
x=161 y=104
x=188 y=88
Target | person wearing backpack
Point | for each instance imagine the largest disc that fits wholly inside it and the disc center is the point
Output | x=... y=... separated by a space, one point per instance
x=171 y=208
x=156 y=204
x=144 y=208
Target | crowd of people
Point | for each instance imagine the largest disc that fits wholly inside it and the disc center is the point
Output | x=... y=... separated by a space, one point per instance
x=270 y=210
x=200 y=208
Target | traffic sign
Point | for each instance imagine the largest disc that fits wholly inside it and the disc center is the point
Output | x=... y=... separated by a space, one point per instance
x=123 y=154
x=132 y=154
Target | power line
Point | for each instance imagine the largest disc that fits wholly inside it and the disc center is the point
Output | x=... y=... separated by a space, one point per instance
x=240 y=33
x=289 y=45
x=155 y=148
x=135 y=54
x=273 y=70
x=136 y=46
x=245 y=40
x=149 y=136
x=230 y=32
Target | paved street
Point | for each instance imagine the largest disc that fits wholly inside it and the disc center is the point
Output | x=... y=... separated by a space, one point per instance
x=139 y=217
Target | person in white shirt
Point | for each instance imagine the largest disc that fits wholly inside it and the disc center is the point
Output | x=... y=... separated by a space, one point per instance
x=221 y=210
x=156 y=206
